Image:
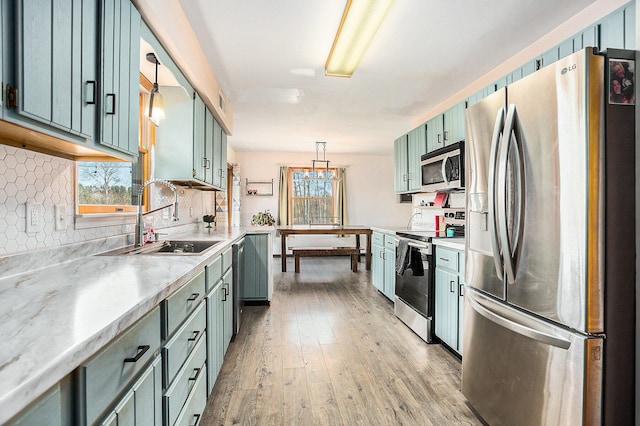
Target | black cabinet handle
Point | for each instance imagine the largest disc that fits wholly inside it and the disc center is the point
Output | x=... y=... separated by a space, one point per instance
x=197 y=371
x=197 y=417
x=91 y=90
x=461 y=289
x=141 y=351
x=113 y=103
x=194 y=336
x=193 y=297
x=451 y=284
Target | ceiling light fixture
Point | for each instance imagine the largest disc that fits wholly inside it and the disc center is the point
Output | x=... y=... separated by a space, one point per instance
x=360 y=22
x=156 y=106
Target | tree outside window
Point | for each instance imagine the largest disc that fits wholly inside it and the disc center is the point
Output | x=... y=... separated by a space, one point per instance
x=312 y=196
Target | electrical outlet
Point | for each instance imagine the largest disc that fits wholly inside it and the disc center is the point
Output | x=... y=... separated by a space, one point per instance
x=60 y=217
x=33 y=218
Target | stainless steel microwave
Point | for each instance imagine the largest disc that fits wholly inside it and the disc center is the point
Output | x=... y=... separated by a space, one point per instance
x=443 y=169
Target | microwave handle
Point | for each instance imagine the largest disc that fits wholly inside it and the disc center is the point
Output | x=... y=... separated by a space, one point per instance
x=444 y=170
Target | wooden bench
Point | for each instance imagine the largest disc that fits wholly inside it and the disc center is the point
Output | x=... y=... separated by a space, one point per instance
x=354 y=252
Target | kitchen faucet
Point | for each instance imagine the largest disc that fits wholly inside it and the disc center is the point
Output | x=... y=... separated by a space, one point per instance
x=138 y=240
x=411 y=218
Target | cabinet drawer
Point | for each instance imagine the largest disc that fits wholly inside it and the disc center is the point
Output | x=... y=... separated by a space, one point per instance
x=446 y=258
x=109 y=372
x=194 y=407
x=226 y=259
x=178 y=348
x=390 y=241
x=378 y=238
x=187 y=380
x=213 y=272
x=180 y=304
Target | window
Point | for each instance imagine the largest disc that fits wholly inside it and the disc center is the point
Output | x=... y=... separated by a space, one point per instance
x=312 y=196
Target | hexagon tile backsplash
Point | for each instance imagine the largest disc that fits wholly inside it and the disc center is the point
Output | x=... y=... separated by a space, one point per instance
x=32 y=177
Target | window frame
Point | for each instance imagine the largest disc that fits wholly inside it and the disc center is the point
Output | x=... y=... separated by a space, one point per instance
x=291 y=197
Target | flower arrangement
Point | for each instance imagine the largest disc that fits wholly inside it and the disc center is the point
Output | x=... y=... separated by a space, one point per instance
x=264 y=218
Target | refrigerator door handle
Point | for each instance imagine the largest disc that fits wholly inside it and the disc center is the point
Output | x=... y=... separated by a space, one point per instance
x=513 y=326
x=493 y=164
x=511 y=245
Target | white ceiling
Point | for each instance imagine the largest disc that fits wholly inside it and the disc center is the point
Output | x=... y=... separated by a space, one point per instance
x=269 y=59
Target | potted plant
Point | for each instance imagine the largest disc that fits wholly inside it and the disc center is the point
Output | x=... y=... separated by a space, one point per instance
x=264 y=218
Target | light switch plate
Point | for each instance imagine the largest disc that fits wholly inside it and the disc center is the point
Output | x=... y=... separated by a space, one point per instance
x=60 y=217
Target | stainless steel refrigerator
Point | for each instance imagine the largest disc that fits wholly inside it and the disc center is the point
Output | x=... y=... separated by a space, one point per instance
x=549 y=317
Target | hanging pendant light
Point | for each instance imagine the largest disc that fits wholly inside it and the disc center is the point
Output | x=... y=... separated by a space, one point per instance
x=156 y=106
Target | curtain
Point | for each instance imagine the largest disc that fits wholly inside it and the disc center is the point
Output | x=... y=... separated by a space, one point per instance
x=340 y=201
x=283 y=197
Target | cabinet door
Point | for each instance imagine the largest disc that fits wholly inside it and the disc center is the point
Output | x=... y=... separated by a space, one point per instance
x=460 y=321
x=454 y=124
x=612 y=30
x=256 y=273
x=120 y=75
x=390 y=273
x=199 y=156
x=228 y=308
x=219 y=157
x=417 y=146
x=377 y=266
x=435 y=133
x=208 y=147
x=447 y=307
x=400 y=156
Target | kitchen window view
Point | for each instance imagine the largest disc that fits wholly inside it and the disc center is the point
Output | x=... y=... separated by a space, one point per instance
x=312 y=196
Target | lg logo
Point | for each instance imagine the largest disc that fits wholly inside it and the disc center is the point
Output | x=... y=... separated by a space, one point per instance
x=568 y=69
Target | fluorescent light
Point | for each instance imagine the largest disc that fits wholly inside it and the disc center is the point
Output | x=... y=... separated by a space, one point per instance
x=360 y=22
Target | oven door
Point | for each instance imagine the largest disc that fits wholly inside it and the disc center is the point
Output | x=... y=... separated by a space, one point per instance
x=415 y=285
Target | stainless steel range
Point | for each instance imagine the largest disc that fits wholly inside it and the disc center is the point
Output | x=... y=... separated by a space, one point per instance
x=414 y=294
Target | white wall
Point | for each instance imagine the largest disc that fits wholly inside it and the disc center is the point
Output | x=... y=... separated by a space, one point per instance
x=371 y=199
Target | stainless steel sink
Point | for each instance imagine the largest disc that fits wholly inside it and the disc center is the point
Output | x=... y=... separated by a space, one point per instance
x=168 y=247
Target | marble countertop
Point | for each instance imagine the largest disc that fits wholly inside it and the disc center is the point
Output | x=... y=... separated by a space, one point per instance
x=55 y=317
x=388 y=229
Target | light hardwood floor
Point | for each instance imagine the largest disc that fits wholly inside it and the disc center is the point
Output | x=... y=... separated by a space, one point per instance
x=329 y=351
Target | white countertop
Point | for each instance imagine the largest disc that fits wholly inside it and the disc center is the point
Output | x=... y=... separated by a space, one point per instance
x=54 y=318
x=456 y=243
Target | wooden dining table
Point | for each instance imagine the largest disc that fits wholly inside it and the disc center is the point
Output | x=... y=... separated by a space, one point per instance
x=357 y=230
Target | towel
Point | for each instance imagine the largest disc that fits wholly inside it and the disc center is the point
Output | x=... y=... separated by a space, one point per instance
x=402 y=260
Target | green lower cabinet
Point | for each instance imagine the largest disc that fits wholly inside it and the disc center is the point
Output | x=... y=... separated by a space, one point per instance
x=227 y=283
x=449 y=297
x=215 y=333
x=383 y=264
x=257 y=264
x=142 y=403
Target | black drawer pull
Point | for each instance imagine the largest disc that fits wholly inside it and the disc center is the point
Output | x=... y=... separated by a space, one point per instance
x=197 y=417
x=141 y=351
x=194 y=336
x=194 y=296
x=197 y=371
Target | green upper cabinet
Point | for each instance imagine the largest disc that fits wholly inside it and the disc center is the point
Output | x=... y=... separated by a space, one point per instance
x=416 y=147
x=454 y=124
x=435 y=133
x=400 y=156
x=56 y=63
x=407 y=152
x=209 y=131
x=199 y=159
x=219 y=156
x=120 y=66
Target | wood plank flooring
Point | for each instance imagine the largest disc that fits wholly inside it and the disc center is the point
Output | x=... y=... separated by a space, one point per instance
x=329 y=351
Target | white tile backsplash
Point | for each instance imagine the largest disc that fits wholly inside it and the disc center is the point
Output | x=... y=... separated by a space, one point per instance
x=27 y=176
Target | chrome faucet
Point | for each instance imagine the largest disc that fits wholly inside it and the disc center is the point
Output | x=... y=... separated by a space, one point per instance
x=411 y=218
x=138 y=240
